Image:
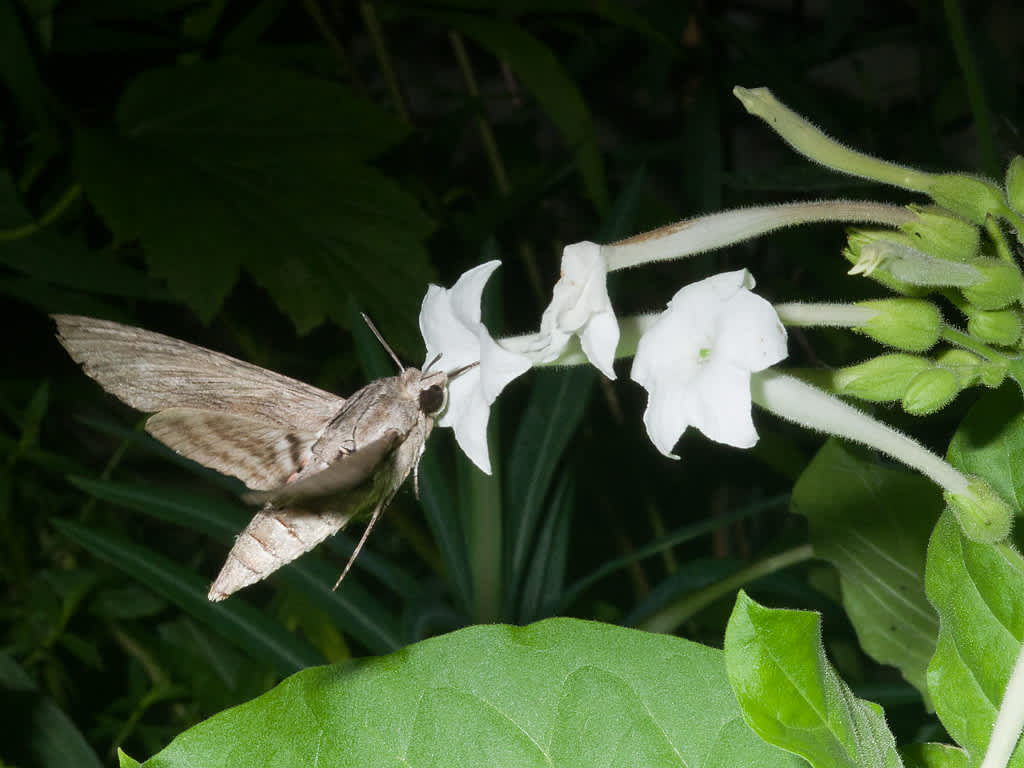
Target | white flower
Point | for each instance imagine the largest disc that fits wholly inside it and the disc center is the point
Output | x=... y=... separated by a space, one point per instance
x=695 y=361
x=450 y=325
x=580 y=306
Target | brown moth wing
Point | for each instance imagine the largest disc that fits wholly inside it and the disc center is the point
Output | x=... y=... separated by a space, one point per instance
x=152 y=372
x=346 y=473
x=261 y=455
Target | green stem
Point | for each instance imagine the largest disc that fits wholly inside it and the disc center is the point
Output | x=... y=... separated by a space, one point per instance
x=670 y=618
x=32 y=227
x=380 y=47
x=961 y=339
x=975 y=89
x=995 y=233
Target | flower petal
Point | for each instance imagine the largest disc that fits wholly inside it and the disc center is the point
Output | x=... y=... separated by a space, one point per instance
x=580 y=306
x=696 y=359
x=450 y=324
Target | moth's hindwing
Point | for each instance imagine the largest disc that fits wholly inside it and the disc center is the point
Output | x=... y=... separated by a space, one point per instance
x=261 y=455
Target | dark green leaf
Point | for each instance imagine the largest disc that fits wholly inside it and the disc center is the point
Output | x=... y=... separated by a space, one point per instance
x=873 y=524
x=236 y=620
x=351 y=606
x=545 y=77
x=46 y=735
x=224 y=167
x=552 y=415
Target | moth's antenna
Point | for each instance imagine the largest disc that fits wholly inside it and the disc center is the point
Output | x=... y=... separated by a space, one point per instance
x=432 y=363
x=366 y=534
x=401 y=368
x=452 y=375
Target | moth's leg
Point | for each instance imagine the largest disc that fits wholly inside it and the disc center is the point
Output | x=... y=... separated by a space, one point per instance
x=297 y=472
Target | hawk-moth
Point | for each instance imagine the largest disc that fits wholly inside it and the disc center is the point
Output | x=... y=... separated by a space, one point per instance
x=313 y=460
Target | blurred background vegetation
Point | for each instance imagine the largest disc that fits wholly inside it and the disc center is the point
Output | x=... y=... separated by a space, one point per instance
x=249 y=175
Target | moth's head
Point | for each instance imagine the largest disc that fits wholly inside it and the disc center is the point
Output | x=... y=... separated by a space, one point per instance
x=433 y=387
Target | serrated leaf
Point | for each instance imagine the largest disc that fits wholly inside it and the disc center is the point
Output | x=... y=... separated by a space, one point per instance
x=558 y=693
x=978 y=590
x=221 y=167
x=873 y=524
x=792 y=696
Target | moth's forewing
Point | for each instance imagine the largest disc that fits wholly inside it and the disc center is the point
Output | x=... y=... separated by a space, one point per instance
x=152 y=372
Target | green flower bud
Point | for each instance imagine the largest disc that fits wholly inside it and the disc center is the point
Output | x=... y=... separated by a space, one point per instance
x=972 y=197
x=939 y=233
x=982 y=513
x=910 y=324
x=992 y=375
x=971 y=369
x=880 y=379
x=1015 y=183
x=890 y=258
x=1003 y=284
x=955 y=357
x=931 y=391
x=1001 y=326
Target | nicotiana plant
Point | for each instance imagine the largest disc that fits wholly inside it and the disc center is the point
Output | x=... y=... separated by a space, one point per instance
x=938 y=593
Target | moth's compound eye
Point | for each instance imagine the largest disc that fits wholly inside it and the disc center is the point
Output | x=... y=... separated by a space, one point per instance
x=432 y=399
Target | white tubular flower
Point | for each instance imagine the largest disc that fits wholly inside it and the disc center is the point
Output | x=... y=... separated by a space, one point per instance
x=451 y=327
x=580 y=306
x=695 y=361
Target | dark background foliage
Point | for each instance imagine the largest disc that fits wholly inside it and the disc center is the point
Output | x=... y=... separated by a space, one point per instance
x=247 y=176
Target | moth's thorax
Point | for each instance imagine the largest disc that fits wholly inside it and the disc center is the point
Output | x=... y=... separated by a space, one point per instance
x=390 y=404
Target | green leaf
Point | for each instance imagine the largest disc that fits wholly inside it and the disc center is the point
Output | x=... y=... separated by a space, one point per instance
x=990 y=442
x=544 y=76
x=558 y=693
x=46 y=736
x=222 y=167
x=978 y=590
x=237 y=621
x=933 y=756
x=792 y=696
x=552 y=415
x=873 y=524
x=124 y=761
x=353 y=607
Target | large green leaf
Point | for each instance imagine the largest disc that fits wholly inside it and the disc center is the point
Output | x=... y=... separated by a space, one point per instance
x=873 y=524
x=793 y=697
x=559 y=693
x=228 y=166
x=978 y=590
